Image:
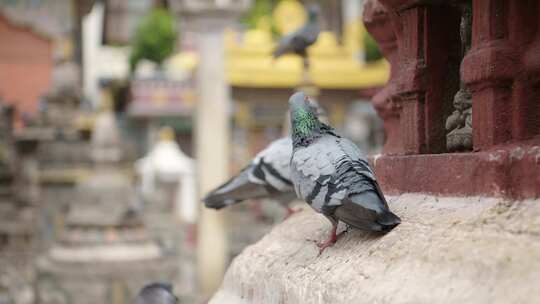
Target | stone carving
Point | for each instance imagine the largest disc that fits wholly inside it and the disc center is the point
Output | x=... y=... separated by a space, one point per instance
x=459 y=123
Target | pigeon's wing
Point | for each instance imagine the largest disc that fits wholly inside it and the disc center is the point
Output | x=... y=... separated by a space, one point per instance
x=309 y=34
x=365 y=206
x=237 y=189
x=273 y=165
x=359 y=160
x=268 y=175
x=361 y=166
x=288 y=44
x=313 y=170
x=298 y=41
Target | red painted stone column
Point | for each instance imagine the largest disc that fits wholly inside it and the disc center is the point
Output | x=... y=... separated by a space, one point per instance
x=501 y=70
x=417 y=92
x=380 y=25
x=526 y=110
x=488 y=70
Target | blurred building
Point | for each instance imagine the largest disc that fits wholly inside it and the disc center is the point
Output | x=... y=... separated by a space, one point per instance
x=17 y=231
x=105 y=253
x=343 y=79
x=158 y=102
x=60 y=151
x=26 y=65
x=48 y=52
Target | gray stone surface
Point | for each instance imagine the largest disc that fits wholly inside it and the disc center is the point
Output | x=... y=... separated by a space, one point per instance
x=447 y=250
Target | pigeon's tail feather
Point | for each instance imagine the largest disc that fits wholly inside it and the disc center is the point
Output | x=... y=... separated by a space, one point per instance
x=388 y=220
x=217 y=201
x=235 y=190
x=367 y=211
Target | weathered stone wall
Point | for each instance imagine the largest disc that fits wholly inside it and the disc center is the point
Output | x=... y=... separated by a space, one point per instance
x=447 y=250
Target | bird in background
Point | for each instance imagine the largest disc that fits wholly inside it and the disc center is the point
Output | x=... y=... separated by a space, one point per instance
x=331 y=174
x=156 y=293
x=298 y=41
x=266 y=176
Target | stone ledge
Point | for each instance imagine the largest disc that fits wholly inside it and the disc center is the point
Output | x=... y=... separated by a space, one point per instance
x=447 y=250
x=508 y=171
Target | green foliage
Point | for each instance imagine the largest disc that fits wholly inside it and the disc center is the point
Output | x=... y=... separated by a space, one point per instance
x=373 y=52
x=155 y=38
x=259 y=9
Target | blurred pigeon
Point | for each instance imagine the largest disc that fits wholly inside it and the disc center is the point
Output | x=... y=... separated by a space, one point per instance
x=267 y=176
x=156 y=293
x=332 y=175
x=298 y=41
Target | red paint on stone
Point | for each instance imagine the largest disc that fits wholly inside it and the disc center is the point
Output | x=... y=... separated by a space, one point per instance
x=502 y=70
x=417 y=39
x=511 y=171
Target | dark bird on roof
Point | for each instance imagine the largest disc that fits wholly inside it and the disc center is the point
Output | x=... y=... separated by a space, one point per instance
x=156 y=293
x=298 y=41
x=333 y=176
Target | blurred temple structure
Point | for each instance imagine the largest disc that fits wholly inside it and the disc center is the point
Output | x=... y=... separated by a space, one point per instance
x=105 y=253
x=17 y=215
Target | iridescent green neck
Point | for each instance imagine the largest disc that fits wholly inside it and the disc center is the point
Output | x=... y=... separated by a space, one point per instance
x=304 y=122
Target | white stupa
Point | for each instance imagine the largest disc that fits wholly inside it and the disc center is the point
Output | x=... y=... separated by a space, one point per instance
x=167 y=163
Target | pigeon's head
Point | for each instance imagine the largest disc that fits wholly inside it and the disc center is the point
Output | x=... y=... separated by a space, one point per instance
x=156 y=293
x=313 y=12
x=300 y=101
x=304 y=120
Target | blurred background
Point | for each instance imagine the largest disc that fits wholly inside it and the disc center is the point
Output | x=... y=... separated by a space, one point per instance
x=117 y=116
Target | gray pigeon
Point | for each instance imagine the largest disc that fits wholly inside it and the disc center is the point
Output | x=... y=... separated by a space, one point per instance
x=156 y=293
x=267 y=176
x=332 y=175
x=298 y=41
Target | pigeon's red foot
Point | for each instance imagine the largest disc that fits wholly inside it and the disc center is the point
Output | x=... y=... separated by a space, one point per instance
x=328 y=243
x=331 y=240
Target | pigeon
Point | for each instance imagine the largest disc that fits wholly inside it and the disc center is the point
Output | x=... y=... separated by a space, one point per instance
x=267 y=176
x=156 y=293
x=331 y=174
x=298 y=41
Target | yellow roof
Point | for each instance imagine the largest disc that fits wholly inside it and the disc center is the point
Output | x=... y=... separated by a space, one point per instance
x=250 y=64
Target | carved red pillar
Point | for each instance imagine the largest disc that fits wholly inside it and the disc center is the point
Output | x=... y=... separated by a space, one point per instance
x=378 y=22
x=501 y=70
x=526 y=109
x=488 y=70
x=419 y=84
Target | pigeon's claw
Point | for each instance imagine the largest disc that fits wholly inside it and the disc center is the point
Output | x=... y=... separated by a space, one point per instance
x=330 y=241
